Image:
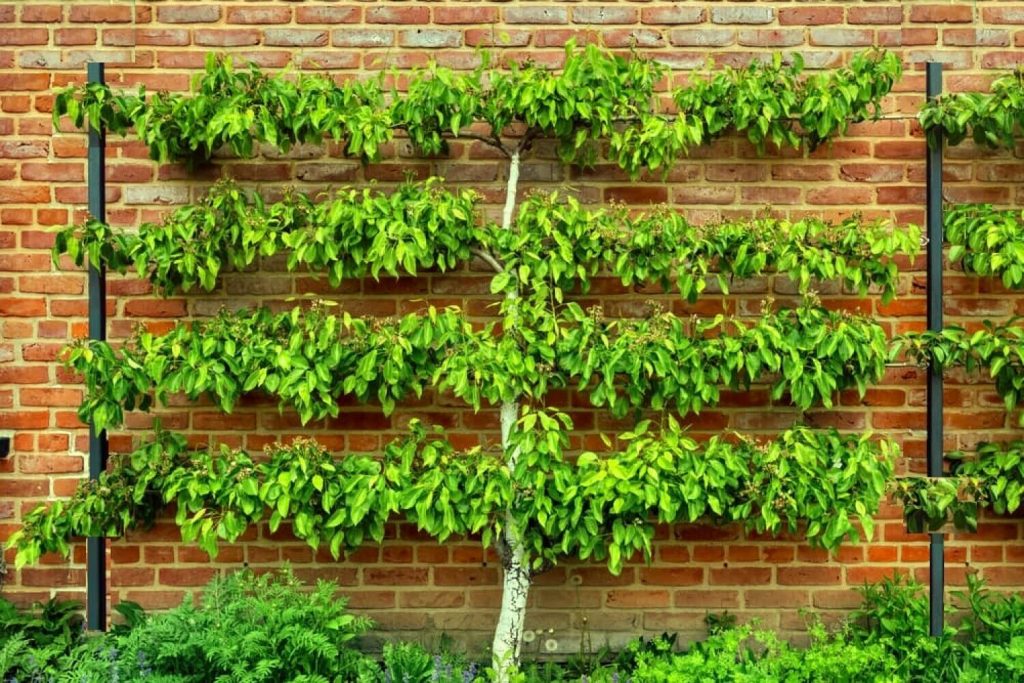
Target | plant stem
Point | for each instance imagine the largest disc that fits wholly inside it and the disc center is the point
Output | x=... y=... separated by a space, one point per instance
x=508 y=634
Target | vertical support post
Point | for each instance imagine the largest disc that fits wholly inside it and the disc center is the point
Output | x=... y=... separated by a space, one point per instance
x=936 y=556
x=96 y=547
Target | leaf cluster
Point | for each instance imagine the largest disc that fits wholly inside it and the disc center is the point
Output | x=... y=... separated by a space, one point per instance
x=993 y=119
x=987 y=241
x=773 y=104
x=349 y=233
x=600 y=506
x=558 y=247
x=990 y=478
x=997 y=348
x=595 y=96
x=306 y=357
x=309 y=358
x=246 y=628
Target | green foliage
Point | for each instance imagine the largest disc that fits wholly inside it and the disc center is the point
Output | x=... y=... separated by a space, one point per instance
x=247 y=628
x=595 y=96
x=931 y=503
x=987 y=241
x=772 y=104
x=600 y=506
x=120 y=499
x=557 y=247
x=305 y=357
x=664 y=361
x=894 y=613
x=32 y=642
x=270 y=628
x=351 y=234
x=746 y=654
x=238 y=110
x=997 y=348
x=993 y=477
x=992 y=119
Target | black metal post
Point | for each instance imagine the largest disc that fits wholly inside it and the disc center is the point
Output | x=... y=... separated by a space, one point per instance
x=96 y=548
x=936 y=558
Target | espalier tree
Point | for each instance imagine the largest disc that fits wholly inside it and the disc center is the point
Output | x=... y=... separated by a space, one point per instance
x=528 y=495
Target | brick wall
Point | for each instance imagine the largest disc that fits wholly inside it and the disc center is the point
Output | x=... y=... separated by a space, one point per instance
x=412 y=585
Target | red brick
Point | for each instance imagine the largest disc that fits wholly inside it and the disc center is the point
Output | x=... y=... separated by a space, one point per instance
x=465 y=15
x=327 y=15
x=944 y=13
x=188 y=14
x=875 y=15
x=259 y=15
x=398 y=15
x=810 y=16
x=101 y=13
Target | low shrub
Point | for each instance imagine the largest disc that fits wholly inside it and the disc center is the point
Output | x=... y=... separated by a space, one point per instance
x=268 y=628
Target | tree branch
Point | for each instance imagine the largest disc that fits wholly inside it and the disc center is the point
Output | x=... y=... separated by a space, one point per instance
x=488 y=258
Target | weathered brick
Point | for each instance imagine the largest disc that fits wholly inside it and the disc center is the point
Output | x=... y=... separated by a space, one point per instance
x=101 y=13
x=536 y=15
x=742 y=15
x=944 y=13
x=327 y=15
x=357 y=37
x=155 y=194
x=465 y=15
x=143 y=36
x=875 y=15
x=259 y=15
x=188 y=14
x=810 y=16
x=842 y=37
x=397 y=15
x=226 y=37
x=970 y=37
x=430 y=38
x=708 y=37
x=46 y=14
x=1003 y=15
x=289 y=37
x=24 y=36
x=771 y=37
x=639 y=37
x=679 y=14
x=604 y=15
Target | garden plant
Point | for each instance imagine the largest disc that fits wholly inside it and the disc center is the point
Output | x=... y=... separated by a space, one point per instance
x=529 y=494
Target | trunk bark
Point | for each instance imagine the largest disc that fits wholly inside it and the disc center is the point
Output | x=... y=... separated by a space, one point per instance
x=508 y=634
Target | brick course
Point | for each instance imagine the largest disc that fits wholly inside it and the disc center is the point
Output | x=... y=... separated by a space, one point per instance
x=411 y=585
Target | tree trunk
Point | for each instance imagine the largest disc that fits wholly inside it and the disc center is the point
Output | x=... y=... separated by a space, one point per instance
x=508 y=634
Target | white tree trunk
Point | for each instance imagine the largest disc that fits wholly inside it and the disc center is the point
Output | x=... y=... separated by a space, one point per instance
x=508 y=634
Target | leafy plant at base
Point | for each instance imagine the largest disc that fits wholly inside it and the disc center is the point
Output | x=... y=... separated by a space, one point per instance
x=33 y=641
x=247 y=628
x=746 y=654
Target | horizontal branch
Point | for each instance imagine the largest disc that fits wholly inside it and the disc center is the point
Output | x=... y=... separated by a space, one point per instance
x=308 y=359
x=595 y=506
x=556 y=248
x=586 y=102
